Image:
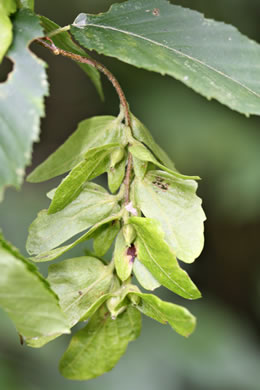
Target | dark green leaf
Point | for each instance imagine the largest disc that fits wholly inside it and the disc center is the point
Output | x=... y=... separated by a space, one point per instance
x=27 y=297
x=104 y=237
x=54 y=253
x=211 y=57
x=79 y=283
x=123 y=260
x=50 y=230
x=73 y=184
x=173 y=202
x=144 y=277
x=179 y=318
x=63 y=41
x=157 y=256
x=91 y=133
x=139 y=151
x=21 y=101
x=96 y=349
x=6 y=8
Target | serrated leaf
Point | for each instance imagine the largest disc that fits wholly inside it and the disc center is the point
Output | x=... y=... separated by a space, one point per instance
x=50 y=230
x=91 y=133
x=7 y=7
x=139 y=151
x=142 y=134
x=54 y=253
x=19 y=127
x=123 y=259
x=174 y=203
x=156 y=255
x=73 y=184
x=27 y=297
x=116 y=176
x=211 y=57
x=96 y=349
x=144 y=277
x=63 y=41
x=79 y=283
x=178 y=317
x=104 y=237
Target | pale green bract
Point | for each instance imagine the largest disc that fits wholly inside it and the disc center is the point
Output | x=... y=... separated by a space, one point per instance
x=156 y=255
x=169 y=39
x=173 y=202
x=27 y=298
x=94 y=164
x=48 y=231
x=79 y=283
x=27 y=79
x=179 y=318
x=91 y=133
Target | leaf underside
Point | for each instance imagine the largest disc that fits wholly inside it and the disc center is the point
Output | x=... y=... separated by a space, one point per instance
x=24 y=89
x=211 y=57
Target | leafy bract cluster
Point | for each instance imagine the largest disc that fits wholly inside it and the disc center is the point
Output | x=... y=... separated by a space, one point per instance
x=149 y=214
x=161 y=220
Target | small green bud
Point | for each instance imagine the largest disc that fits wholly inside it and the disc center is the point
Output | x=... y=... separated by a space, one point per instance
x=129 y=234
x=116 y=306
x=116 y=156
x=135 y=299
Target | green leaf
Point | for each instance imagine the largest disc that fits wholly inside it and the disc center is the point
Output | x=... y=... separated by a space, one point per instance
x=104 y=237
x=173 y=202
x=97 y=348
x=54 y=253
x=91 y=133
x=211 y=57
x=63 y=41
x=27 y=297
x=144 y=277
x=139 y=151
x=7 y=7
x=157 y=256
x=79 y=283
x=140 y=167
x=142 y=134
x=179 y=318
x=24 y=89
x=123 y=258
x=50 y=230
x=73 y=184
x=116 y=176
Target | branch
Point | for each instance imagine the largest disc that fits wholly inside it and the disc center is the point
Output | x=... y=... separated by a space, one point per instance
x=89 y=61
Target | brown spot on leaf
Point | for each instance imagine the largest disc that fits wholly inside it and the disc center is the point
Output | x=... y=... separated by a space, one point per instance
x=159 y=182
x=131 y=252
x=156 y=12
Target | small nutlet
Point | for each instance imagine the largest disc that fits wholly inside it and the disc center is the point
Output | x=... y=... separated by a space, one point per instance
x=116 y=156
x=129 y=234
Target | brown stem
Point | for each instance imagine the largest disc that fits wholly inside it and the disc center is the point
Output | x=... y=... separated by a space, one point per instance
x=89 y=61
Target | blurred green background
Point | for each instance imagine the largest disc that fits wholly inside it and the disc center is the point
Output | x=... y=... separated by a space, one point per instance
x=203 y=138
